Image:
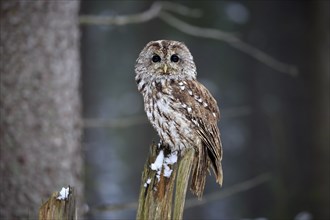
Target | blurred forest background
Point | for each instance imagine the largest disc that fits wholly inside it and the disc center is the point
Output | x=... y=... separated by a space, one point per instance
x=275 y=115
x=272 y=122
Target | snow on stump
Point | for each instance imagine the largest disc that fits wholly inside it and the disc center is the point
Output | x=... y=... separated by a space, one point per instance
x=163 y=171
x=60 y=206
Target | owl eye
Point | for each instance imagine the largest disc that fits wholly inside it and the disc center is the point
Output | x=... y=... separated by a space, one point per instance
x=174 y=58
x=156 y=58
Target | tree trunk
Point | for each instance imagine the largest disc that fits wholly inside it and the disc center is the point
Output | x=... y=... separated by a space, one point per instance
x=40 y=105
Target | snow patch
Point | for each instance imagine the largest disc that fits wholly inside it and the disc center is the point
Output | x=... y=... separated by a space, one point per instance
x=147 y=183
x=161 y=162
x=172 y=158
x=167 y=171
x=64 y=193
x=169 y=160
x=157 y=165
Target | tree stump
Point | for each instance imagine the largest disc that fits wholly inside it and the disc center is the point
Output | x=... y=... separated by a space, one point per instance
x=157 y=184
x=60 y=206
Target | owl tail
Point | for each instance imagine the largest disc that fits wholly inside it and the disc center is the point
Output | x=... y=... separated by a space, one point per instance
x=199 y=171
x=215 y=161
x=204 y=158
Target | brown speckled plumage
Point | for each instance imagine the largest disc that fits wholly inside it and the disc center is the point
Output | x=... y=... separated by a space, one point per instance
x=182 y=110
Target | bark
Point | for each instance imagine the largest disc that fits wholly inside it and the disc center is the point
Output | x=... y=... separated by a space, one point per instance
x=40 y=104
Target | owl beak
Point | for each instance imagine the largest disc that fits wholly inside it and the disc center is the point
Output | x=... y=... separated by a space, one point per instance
x=165 y=69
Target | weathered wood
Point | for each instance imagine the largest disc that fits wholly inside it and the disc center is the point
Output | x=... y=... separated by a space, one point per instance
x=185 y=165
x=57 y=208
x=156 y=196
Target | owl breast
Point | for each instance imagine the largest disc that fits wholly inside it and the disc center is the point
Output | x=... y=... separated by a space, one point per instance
x=169 y=115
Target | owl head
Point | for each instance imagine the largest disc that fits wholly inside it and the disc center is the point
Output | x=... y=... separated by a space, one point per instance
x=165 y=59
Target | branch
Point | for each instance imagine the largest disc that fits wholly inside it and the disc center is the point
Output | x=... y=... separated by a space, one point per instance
x=190 y=203
x=151 y=13
x=232 y=40
x=240 y=187
x=180 y=9
x=231 y=112
x=114 y=123
x=158 y=10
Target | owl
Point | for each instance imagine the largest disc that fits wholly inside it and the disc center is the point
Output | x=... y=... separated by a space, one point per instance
x=182 y=110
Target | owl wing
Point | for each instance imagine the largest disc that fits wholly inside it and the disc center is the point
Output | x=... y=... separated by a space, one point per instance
x=202 y=109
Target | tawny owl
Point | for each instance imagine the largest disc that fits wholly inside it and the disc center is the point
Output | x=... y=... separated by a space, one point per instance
x=182 y=110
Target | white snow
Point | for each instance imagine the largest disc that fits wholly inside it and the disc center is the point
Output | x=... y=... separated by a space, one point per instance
x=172 y=158
x=64 y=193
x=157 y=165
x=158 y=175
x=160 y=162
x=167 y=171
x=147 y=183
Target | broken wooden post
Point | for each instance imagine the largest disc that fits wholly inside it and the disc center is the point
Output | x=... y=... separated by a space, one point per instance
x=161 y=170
x=60 y=206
